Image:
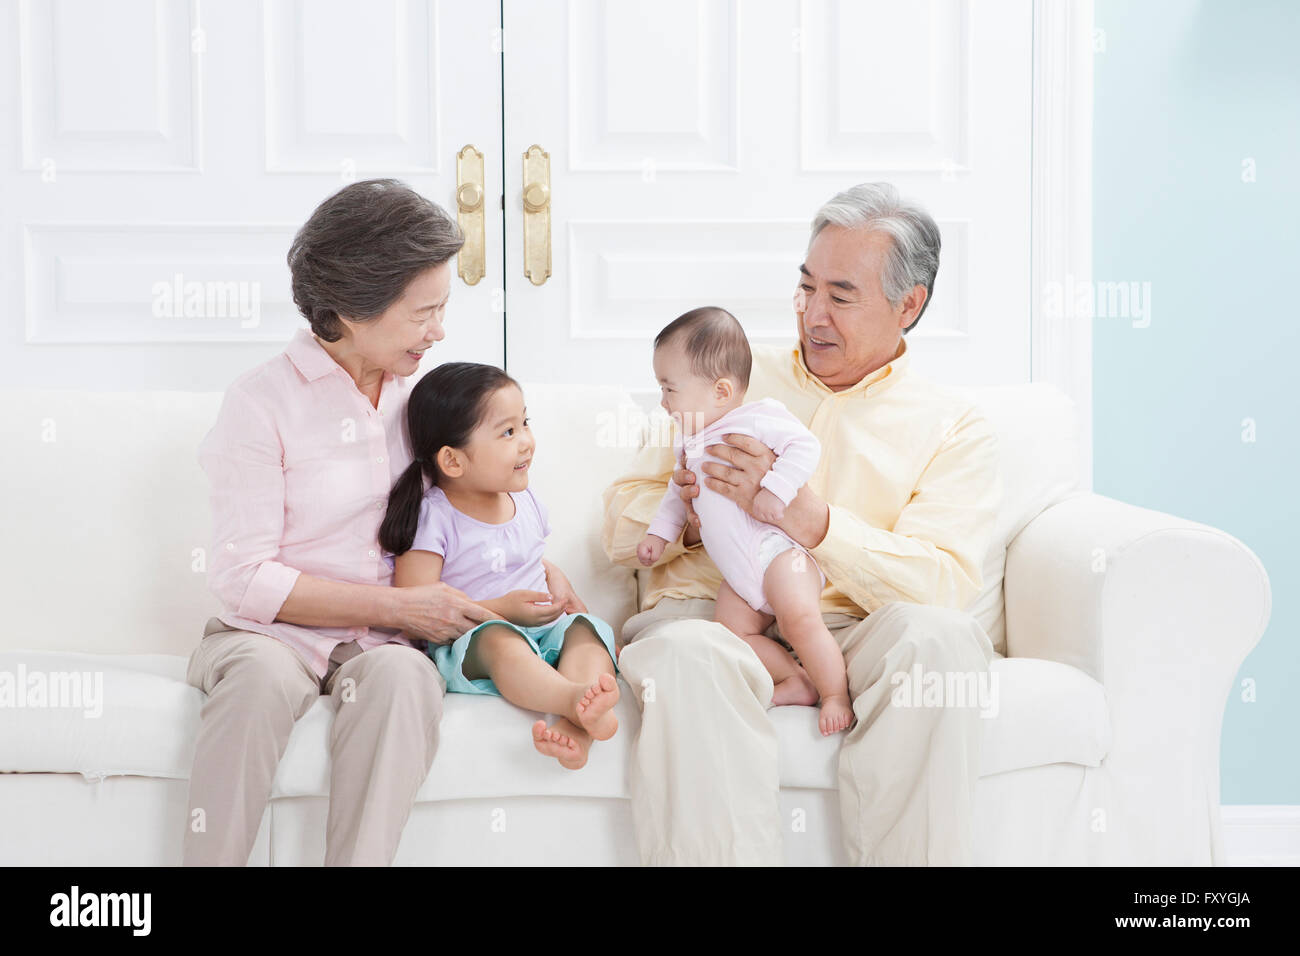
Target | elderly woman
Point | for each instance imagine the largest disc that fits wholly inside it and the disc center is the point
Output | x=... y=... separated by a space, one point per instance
x=301 y=460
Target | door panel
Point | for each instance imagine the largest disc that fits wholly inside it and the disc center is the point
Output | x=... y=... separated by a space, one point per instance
x=692 y=142
x=169 y=146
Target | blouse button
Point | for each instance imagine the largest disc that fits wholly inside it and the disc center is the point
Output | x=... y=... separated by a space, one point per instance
x=379 y=460
x=372 y=553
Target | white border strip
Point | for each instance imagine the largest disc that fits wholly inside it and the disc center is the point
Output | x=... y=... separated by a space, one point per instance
x=1256 y=835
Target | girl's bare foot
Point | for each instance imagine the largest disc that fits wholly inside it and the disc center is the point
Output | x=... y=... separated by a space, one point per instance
x=796 y=689
x=836 y=714
x=595 y=708
x=551 y=743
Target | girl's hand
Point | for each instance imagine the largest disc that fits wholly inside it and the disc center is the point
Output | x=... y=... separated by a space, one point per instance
x=528 y=608
x=438 y=613
x=651 y=549
x=562 y=592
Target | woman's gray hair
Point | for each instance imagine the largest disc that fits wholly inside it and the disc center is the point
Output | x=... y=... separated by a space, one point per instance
x=914 y=254
x=360 y=249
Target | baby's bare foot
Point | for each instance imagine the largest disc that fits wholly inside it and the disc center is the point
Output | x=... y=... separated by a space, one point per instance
x=795 y=689
x=836 y=714
x=551 y=743
x=595 y=708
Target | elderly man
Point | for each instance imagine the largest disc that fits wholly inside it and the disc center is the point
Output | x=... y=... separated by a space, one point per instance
x=898 y=514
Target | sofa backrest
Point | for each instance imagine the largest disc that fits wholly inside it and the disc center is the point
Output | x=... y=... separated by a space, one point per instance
x=104 y=509
x=105 y=516
x=1040 y=445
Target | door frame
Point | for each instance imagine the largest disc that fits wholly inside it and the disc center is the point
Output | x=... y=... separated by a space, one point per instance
x=1061 y=205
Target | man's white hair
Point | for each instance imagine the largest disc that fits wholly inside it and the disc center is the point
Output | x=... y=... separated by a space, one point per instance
x=914 y=253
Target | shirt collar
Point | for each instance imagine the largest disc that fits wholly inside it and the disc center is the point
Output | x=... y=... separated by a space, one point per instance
x=891 y=371
x=310 y=357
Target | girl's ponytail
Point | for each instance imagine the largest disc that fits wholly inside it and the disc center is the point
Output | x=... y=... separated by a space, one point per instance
x=397 y=532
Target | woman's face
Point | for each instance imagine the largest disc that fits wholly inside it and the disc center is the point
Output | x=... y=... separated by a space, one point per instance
x=398 y=338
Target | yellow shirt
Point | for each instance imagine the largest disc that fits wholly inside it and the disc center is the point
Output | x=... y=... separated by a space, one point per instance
x=909 y=471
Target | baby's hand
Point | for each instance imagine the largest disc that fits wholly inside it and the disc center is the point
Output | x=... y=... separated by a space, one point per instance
x=651 y=549
x=768 y=507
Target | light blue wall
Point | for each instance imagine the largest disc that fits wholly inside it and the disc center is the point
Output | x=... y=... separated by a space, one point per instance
x=1185 y=91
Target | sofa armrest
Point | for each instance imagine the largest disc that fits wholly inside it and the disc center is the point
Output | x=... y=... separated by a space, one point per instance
x=1161 y=611
x=1114 y=590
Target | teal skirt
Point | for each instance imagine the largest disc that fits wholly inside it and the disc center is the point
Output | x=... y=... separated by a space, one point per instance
x=546 y=640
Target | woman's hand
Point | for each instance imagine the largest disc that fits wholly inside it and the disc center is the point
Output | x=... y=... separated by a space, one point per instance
x=562 y=592
x=438 y=613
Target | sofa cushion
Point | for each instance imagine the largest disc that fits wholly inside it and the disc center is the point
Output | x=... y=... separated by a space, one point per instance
x=485 y=750
x=119 y=715
x=1045 y=713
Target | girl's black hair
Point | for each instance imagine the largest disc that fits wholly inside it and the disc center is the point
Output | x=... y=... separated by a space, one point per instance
x=444 y=409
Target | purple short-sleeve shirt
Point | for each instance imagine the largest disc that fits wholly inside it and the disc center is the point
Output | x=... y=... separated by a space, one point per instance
x=485 y=560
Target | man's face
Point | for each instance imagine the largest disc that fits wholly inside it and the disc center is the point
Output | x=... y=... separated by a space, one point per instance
x=848 y=328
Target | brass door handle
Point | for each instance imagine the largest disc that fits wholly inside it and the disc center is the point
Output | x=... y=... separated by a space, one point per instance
x=469 y=213
x=537 y=214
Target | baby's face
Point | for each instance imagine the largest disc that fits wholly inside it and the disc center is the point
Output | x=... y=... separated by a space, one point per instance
x=691 y=401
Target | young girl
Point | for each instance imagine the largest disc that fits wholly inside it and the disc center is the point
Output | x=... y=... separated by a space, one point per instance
x=479 y=528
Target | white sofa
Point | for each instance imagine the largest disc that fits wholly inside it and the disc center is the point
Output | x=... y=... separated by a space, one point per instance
x=1122 y=628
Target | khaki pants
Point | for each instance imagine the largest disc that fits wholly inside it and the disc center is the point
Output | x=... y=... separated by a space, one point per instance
x=704 y=776
x=384 y=737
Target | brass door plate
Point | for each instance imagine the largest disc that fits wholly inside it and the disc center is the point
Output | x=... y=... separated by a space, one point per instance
x=537 y=215
x=469 y=213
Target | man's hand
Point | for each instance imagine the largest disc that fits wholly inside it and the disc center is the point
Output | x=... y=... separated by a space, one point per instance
x=684 y=479
x=768 y=507
x=438 y=612
x=651 y=549
x=526 y=608
x=748 y=460
x=807 y=516
x=562 y=592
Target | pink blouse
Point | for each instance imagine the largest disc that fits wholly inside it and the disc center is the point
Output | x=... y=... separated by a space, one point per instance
x=300 y=465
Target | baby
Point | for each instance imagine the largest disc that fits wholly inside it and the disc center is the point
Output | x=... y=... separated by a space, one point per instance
x=702 y=361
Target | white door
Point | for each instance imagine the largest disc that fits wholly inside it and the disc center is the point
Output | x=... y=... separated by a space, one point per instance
x=691 y=142
x=170 y=145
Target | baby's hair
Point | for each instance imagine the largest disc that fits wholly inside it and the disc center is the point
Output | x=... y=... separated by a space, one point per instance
x=443 y=410
x=715 y=343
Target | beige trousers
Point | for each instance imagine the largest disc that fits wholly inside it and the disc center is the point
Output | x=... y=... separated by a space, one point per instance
x=384 y=737
x=704 y=778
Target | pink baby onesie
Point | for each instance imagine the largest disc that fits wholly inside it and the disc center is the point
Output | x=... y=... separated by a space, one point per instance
x=740 y=545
